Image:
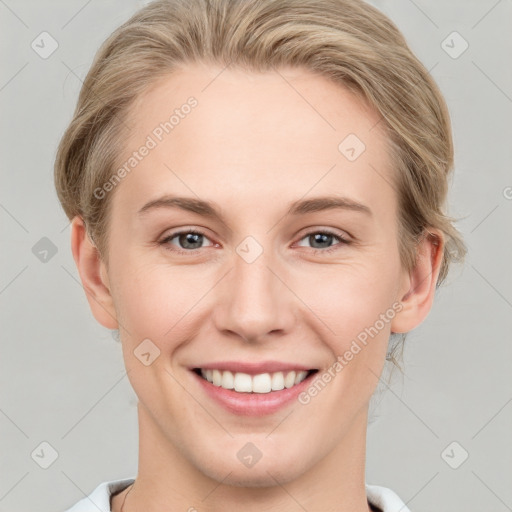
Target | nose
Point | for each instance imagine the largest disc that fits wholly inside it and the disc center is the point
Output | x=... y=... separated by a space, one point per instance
x=254 y=303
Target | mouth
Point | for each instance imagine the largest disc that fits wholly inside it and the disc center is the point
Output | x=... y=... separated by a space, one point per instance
x=261 y=383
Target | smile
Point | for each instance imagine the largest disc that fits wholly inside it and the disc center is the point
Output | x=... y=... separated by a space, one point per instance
x=258 y=383
x=252 y=388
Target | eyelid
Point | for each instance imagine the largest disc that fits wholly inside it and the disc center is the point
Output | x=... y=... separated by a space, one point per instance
x=343 y=240
x=344 y=235
x=182 y=231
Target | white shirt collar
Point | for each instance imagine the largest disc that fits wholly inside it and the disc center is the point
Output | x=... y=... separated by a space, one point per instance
x=99 y=500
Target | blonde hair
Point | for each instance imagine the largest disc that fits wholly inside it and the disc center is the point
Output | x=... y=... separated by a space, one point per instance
x=347 y=41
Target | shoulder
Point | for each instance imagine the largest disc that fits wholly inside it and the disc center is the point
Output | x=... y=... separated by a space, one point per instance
x=99 y=499
x=384 y=499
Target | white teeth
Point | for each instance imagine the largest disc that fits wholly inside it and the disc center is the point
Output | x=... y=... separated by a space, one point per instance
x=289 y=380
x=228 y=380
x=243 y=382
x=216 y=378
x=300 y=377
x=261 y=383
x=277 y=381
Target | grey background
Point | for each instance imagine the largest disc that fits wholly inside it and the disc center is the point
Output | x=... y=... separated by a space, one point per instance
x=62 y=376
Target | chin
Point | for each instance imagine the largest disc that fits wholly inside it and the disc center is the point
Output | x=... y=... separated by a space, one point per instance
x=261 y=479
x=267 y=473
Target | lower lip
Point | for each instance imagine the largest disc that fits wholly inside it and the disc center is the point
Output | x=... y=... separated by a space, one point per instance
x=253 y=404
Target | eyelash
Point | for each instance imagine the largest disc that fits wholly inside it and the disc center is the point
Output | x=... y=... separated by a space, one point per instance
x=167 y=239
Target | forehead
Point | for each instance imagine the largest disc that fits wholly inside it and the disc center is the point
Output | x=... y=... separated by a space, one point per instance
x=288 y=132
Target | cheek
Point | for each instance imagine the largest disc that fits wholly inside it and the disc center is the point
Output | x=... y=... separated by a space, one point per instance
x=354 y=311
x=153 y=300
x=348 y=299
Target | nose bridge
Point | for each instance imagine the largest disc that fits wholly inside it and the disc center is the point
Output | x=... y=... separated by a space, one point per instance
x=255 y=301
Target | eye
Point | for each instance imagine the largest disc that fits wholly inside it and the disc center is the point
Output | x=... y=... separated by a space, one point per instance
x=323 y=238
x=188 y=240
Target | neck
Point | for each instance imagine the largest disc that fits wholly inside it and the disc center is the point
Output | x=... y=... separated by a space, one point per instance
x=168 y=481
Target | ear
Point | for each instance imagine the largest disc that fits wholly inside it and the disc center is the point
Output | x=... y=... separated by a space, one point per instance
x=93 y=275
x=419 y=286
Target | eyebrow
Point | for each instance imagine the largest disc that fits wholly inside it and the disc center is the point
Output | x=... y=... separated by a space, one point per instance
x=300 y=207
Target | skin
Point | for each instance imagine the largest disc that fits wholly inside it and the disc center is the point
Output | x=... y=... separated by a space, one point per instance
x=254 y=144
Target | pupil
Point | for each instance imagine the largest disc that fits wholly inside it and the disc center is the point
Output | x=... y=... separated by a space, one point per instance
x=321 y=237
x=192 y=238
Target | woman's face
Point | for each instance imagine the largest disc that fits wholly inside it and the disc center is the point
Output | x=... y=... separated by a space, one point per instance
x=277 y=279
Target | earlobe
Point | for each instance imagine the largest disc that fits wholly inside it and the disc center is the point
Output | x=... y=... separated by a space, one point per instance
x=93 y=275
x=420 y=283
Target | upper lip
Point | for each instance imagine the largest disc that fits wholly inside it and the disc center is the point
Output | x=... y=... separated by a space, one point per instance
x=254 y=368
